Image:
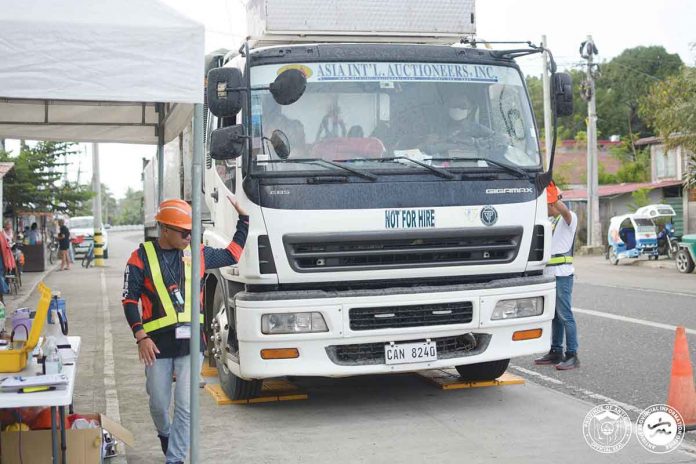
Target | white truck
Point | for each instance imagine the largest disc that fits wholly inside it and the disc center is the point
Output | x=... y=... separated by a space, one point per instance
x=177 y=156
x=394 y=225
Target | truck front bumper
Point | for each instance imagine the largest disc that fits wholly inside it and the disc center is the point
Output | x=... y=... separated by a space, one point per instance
x=345 y=350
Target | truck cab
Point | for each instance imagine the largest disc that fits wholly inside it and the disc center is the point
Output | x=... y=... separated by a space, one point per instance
x=395 y=221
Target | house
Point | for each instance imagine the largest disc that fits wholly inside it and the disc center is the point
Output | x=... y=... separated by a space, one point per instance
x=665 y=186
x=570 y=162
x=671 y=165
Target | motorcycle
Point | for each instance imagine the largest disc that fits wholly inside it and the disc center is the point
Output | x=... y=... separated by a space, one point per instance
x=667 y=243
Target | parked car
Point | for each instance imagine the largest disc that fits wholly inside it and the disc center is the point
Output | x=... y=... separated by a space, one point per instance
x=82 y=234
x=686 y=256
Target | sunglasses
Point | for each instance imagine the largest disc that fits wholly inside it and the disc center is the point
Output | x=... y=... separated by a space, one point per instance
x=184 y=233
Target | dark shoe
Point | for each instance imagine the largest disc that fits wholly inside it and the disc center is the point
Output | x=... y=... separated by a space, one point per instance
x=164 y=441
x=570 y=362
x=552 y=357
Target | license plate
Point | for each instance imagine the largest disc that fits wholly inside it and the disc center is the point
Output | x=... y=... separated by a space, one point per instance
x=410 y=353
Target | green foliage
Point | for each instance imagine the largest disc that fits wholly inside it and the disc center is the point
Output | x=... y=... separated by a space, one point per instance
x=109 y=206
x=37 y=181
x=130 y=208
x=640 y=198
x=619 y=87
x=670 y=108
x=622 y=83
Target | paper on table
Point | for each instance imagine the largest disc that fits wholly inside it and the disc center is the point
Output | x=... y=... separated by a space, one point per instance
x=18 y=382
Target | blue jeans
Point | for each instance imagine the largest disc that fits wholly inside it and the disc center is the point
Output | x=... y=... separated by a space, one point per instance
x=563 y=321
x=159 y=388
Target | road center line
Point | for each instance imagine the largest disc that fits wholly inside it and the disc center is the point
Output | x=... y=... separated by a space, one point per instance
x=616 y=317
x=111 y=393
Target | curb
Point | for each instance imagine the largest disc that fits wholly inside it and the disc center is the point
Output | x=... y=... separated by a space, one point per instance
x=20 y=301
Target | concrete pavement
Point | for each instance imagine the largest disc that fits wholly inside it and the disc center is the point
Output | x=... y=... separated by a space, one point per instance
x=369 y=419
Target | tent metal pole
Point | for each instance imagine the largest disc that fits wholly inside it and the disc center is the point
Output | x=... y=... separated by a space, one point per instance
x=196 y=232
x=160 y=153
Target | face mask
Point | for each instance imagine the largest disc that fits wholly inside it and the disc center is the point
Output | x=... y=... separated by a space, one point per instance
x=458 y=113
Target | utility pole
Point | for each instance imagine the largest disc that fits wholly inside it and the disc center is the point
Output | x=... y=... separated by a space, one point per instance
x=96 y=185
x=594 y=228
x=546 y=83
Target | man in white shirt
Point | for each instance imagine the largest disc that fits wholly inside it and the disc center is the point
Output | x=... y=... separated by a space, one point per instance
x=565 y=224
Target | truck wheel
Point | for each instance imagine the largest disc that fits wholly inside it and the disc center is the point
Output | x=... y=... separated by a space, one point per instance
x=684 y=262
x=234 y=387
x=483 y=371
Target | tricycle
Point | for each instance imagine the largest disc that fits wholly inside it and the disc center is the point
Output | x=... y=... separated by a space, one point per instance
x=631 y=236
x=661 y=215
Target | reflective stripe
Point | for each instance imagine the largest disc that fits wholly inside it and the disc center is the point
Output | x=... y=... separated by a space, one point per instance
x=558 y=260
x=561 y=258
x=171 y=317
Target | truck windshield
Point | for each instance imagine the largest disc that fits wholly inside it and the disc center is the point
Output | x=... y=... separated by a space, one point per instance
x=373 y=115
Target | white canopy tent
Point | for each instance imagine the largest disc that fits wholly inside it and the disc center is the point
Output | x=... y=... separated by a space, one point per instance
x=86 y=70
x=101 y=71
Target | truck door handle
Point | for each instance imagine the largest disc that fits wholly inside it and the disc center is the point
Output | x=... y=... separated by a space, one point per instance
x=214 y=195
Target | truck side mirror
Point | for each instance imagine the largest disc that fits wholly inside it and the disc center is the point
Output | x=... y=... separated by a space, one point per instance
x=288 y=87
x=562 y=93
x=227 y=143
x=224 y=92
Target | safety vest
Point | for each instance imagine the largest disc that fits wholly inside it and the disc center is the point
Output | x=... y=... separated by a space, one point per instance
x=561 y=258
x=171 y=316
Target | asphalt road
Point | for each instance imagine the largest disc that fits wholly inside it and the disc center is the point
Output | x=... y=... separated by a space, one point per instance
x=626 y=358
x=401 y=418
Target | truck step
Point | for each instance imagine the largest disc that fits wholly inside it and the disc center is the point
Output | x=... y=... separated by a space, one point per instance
x=271 y=391
x=448 y=379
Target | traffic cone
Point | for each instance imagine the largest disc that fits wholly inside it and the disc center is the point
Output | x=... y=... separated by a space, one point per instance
x=682 y=394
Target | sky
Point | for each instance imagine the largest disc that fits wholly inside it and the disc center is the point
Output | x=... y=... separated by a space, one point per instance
x=614 y=25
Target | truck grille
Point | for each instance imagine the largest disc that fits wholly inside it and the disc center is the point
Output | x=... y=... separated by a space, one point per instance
x=373 y=353
x=411 y=316
x=387 y=250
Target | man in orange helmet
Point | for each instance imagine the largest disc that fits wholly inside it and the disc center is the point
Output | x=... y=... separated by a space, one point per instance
x=158 y=274
x=564 y=223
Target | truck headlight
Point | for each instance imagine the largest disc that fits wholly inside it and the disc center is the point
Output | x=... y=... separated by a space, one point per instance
x=520 y=307
x=287 y=323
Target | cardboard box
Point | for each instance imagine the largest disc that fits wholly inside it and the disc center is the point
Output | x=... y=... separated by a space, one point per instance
x=83 y=446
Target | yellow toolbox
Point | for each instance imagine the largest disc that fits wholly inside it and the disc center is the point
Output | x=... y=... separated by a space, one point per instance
x=14 y=359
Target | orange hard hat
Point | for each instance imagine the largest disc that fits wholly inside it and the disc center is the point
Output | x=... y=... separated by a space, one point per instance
x=551 y=193
x=174 y=212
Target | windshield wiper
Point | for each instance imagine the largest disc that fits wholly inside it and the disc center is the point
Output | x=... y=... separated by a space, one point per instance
x=507 y=167
x=437 y=171
x=355 y=172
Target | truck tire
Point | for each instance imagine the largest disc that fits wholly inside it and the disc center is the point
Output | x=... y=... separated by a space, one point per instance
x=234 y=387
x=684 y=262
x=483 y=371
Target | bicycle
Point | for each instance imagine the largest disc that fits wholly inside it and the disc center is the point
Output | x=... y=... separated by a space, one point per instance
x=89 y=256
x=53 y=250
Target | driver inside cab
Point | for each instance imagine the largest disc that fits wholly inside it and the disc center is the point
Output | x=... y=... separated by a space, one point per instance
x=462 y=122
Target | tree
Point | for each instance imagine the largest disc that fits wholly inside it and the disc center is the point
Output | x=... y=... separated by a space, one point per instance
x=568 y=126
x=670 y=108
x=622 y=83
x=109 y=206
x=130 y=208
x=37 y=182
